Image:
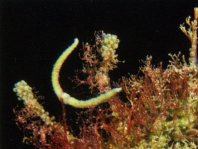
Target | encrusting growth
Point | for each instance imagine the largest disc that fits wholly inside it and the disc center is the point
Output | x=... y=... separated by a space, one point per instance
x=24 y=93
x=39 y=128
x=66 y=98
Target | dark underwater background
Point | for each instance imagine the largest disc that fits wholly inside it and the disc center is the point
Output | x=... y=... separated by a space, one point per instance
x=34 y=32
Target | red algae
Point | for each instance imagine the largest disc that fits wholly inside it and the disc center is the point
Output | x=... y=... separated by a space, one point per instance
x=158 y=109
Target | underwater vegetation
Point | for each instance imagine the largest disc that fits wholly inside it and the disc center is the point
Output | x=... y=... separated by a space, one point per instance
x=156 y=110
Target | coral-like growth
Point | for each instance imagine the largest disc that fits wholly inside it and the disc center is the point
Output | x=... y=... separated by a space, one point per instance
x=39 y=128
x=98 y=60
x=156 y=110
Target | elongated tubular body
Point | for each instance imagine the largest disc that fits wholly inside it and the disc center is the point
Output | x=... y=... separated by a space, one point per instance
x=65 y=97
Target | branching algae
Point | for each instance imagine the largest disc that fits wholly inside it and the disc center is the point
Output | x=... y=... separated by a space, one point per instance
x=158 y=110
